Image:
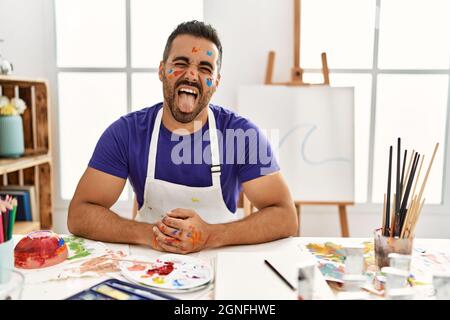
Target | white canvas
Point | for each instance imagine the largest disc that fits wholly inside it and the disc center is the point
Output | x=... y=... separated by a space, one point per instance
x=316 y=136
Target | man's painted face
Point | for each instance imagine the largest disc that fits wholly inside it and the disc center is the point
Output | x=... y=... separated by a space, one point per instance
x=189 y=76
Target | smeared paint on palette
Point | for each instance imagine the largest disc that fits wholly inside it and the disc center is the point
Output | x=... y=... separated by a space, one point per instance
x=169 y=272
x=164 y=270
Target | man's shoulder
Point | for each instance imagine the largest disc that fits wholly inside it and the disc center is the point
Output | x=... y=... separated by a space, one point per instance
x=230 y=119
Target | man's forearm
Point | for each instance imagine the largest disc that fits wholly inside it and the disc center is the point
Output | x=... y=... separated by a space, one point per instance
x=256 y=228
x=96 y=222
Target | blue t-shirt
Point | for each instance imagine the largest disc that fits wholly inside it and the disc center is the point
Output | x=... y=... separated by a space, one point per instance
x=245 y=153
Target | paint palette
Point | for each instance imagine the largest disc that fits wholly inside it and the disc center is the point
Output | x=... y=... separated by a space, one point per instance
x=169 y=272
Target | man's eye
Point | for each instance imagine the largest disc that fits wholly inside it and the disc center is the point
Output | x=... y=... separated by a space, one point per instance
x=180 y=64
x=207 y=70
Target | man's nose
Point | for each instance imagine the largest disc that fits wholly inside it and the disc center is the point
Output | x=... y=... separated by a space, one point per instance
x=192 y=73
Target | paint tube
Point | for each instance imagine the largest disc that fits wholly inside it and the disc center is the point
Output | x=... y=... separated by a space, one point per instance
x=399 y=261
x=306 y=281
x=379 y=282
x=395 y=278
x=400 y=294
x=304 y=287
x=354 y=259
x=441 y=284
x=353 y=282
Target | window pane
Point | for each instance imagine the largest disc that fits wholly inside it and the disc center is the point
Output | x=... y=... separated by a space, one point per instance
x=86 y=109
x=343 y=29
x=151 y=24
x=412 y=107
x=146 y=91
x=363 y=89
x=90 y=33
x=414 y=34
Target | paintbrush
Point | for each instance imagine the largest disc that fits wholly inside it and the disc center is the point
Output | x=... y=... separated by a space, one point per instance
x=388 y=196
x=407 y=192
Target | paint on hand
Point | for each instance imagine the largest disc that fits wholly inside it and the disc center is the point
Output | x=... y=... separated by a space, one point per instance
x=154 y=242
x=209 y=53
x=195 y=50
x=174 y=232
x=195 y=238
x=209 y=82
x=171 y=241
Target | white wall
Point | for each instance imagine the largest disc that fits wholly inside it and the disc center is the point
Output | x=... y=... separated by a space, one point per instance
x=248 y=29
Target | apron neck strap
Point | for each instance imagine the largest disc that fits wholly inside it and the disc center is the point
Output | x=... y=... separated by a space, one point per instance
x=214 y=145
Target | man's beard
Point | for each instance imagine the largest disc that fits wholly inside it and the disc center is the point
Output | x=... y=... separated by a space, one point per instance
x=170 y=97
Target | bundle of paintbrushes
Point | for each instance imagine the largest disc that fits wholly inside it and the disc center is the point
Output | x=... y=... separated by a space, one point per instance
x=8 y=207
x=400 y=217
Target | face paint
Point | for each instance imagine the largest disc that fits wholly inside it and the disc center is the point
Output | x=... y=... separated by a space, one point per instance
x=209 y=53
x=209 y=82
x=177 y=73
x=170 y=71
x=195 y=50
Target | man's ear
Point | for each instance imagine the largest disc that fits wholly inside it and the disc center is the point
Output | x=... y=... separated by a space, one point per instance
x=161 y=70
x=217 y=80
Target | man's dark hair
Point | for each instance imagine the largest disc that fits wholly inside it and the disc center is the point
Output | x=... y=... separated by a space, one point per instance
x=197 y=29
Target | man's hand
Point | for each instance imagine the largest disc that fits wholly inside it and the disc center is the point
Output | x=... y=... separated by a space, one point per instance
x=181 y=231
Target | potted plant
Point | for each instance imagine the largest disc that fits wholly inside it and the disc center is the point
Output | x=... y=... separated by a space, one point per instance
x=11 y=127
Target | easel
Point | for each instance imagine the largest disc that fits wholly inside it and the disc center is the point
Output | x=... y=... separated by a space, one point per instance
x=297 y=80
x=296 y=70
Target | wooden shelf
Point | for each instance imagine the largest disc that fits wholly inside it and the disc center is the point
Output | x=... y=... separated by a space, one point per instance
x=24 y=227
x=8 y=165
x=35 y=166
x=14 y=78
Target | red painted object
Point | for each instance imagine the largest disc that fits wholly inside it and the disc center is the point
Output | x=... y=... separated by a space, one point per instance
x=163 y=270
x=40 y=249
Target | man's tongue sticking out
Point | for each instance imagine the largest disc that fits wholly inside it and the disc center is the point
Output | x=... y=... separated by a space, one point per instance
x=186 y=102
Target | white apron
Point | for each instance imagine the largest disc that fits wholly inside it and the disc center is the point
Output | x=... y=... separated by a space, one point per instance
x=161 y=196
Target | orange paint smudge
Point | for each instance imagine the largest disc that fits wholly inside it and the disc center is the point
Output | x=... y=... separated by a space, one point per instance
x=177 y=73
x=137 y=267
x=154 y=242
x=195 y=50
x=172 y=241
x=195 y=238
